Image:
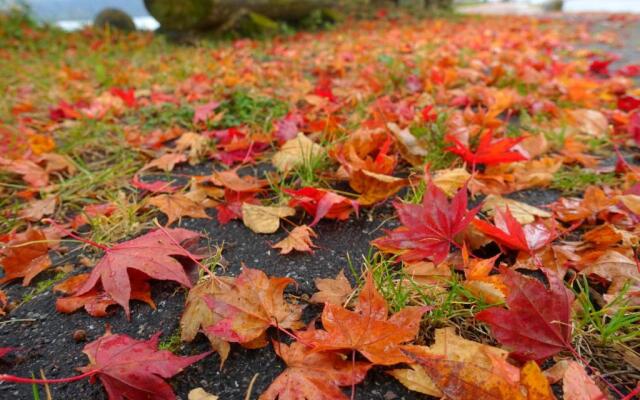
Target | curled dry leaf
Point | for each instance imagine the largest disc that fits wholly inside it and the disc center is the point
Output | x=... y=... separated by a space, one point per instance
x=197 y=145
x=577 y=385
x=333 y=291
x=296 y=152
x=37 y=209
x=177 y=205
x=522 y=212
x=264 y=219
x=590 y=122
x=312 y=375
x=374 y=187
x=33 y=174
x=198 y=315
x=410 y=149
x=200 y=394
x=134 y=369
x=451 y=180
x=298 y=239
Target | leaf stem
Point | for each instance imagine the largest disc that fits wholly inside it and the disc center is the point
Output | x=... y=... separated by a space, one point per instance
x=73 y=235
x=19 y=379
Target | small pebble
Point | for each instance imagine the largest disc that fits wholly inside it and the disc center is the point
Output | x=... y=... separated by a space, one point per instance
x=80 y=335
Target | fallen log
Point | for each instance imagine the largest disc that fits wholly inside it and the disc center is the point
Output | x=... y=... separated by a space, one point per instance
x=188 y=15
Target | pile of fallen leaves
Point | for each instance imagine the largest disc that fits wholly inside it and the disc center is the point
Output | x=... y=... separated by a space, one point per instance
x=430 y=115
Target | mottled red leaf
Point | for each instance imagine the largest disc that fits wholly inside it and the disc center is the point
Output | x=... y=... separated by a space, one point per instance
x=134 y=369
x=428 y=229
x=152 y=254
x=508 y=231
x=321 y=203
x=537 y=324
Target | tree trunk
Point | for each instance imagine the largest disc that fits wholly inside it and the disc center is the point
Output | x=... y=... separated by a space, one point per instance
x=186 y=15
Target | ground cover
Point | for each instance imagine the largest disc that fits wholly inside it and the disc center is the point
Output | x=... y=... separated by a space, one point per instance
x=393 y=207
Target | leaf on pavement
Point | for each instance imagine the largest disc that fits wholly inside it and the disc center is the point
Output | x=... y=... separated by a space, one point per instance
x=321 y=203
x=264 y=219
x=96 y=301
x=152 y=254
x=177 y=205
x=334 y=291
x=374 y=187
x=298 y=239
x=312 y=375
x=25 y=256
x=367 y=329
x=252 y=304
x=198 y=315
x=428 y=229
x=165 y=162
x=134 y=369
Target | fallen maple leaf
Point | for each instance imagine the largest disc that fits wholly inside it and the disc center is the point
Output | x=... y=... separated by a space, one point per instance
x=334 y=291
x=198 y=315
x=197 y=145
x=252 y=304
x=201 y=394
x=537 y=324
x=475 y=380
x=298 y=239
x=203 y=112
x=264 y=219
x=312 y=375
x=176 y=206
x=152 y=254
x=33 y=174
x=428 y=230
x=96 y=301
x=508 y=231
x=321 y=203
x=373 y=187
x=489 y=151
x=5 y=350
x=37 y=209
x=25 y=256
x=153 y=187
x=451 y=180
x=447 y=346
x=165 y=162
x=368 y=329
x=134 y=369
x=577 y=385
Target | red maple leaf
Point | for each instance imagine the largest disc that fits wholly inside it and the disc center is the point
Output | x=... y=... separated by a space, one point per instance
x=428 y=230
x=489 y=151
x=322 y=203
x=152 y=254
x=134 y=369
x=537 y=324
x=508 y=231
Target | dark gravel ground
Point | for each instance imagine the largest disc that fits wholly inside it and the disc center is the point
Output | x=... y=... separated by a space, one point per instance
x=46 y=341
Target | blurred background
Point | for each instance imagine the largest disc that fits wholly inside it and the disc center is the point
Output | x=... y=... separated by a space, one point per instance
x=73 y=14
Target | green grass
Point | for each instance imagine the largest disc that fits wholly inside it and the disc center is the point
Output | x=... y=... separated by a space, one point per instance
x=432 y=135
x=172 y=342
x=572 y=180
x=42 y=287
x=400 y=290
x=614 y=323
x=244 y=109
